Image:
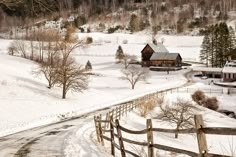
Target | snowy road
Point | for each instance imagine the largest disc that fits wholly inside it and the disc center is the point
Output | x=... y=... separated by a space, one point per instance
x=51 y=140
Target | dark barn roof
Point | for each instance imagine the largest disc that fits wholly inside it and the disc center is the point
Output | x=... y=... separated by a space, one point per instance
x=164 y=56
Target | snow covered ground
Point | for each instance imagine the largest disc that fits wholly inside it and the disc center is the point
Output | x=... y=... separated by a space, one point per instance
x=218 y=144
x=25 y=102
x=187 y=46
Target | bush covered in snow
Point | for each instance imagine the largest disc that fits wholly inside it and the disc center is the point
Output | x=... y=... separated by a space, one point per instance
x=89 y=40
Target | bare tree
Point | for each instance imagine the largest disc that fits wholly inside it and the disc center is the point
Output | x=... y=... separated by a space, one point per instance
x=19 y=47
x=127 y=59
x=180 y=113
x=50 y=73
x=12 y=49
x=70 y=75
x=50 y=67
x=134 y=74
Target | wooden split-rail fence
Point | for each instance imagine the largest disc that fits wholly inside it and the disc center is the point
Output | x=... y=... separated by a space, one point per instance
x=112 y=126
x=116 y=130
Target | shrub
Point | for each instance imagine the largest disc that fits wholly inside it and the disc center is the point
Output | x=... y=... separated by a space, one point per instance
x=199 y=97
x=134 y=23
x=89 y=40
x=212 y=103
x=88 y=30
x=113 y=29
x=125 y=41
x=160 y=99
x=119 y=54
x=81 y=29
x=102 y=26
x=145 y=106
x=12 y=49
x=79 y=21
x=156 y=29
x=88 y=65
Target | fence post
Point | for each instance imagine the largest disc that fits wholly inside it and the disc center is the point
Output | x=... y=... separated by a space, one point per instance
x=112 y=137
x=119 y=111
x=107 y=119
x=97 y=129
x=100 y=129
x=201 y=137
x=150 y=138
x=126 y=109
x=122 y=149
x=116 y=112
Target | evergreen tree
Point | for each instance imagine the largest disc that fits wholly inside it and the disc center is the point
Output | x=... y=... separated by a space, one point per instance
x=232 y=40
x=212 y=46
x=205 y=51
x=88 y=65
x=217 y=45
x=223 y=44
x=120 y=54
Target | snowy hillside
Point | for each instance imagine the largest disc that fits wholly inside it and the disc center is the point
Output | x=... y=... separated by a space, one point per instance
x=27 y=102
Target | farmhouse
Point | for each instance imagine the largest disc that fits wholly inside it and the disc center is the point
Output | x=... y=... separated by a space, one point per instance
x=229 y=71
x=158 y=55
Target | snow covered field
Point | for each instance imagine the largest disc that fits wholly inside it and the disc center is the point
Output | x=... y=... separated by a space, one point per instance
x=187 y=46
x=26 y=102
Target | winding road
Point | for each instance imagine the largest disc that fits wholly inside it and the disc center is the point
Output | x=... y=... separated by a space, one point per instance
x=49 y=140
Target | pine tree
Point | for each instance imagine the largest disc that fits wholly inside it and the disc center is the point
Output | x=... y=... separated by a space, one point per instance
x=223 y=44
x=205 y=51
x=232 y=40
x=88 y=65
x=212 y=46
x=119 y=54
x=217 y=45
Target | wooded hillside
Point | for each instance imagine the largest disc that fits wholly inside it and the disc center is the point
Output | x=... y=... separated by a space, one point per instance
x=43 y=7
x=179 y=15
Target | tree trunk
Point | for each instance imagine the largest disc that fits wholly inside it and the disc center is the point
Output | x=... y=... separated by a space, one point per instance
x=177 y=134
x=64 y=90
x=133 y=86
x=64 y=93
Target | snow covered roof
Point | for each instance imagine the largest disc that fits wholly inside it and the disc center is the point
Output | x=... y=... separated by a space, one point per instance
x=230 y=67
x=229 y=70
x=164 y=56
x=207 y=69
x=231 y=63
x=159 y=47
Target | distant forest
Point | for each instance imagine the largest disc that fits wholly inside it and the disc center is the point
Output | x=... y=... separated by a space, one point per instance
x=37 y=8
x=179 y=15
